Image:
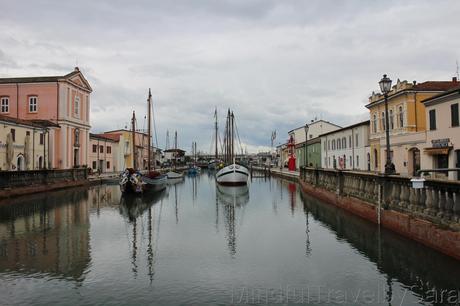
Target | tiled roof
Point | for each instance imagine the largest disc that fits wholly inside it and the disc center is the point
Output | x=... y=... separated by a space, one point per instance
x=435 y=85
x=110 y=137
x=37 y=79
x=31 y=123
x=442 y=94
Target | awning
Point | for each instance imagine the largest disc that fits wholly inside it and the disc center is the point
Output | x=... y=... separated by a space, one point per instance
x=438 y=151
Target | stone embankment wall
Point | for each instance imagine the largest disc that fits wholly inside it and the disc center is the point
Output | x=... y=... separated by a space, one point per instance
x=16 y=183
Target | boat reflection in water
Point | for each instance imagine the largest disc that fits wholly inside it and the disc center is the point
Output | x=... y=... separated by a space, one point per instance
x=134 y=207
x=232 y=198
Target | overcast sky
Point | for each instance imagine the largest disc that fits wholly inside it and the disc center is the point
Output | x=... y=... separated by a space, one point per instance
x=277 y=64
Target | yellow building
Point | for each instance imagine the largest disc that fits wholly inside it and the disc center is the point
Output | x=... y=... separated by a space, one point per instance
x=407 y=124
x=24 y=144
x=124 y=152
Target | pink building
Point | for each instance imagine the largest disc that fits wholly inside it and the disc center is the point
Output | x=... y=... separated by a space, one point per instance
x=63 y=100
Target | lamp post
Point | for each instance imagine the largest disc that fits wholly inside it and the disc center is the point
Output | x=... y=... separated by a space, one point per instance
x=385 y=87
x=306 y=127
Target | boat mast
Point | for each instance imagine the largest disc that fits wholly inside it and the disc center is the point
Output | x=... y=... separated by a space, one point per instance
x=175 y=149
x=229 y=141
x=149 y=103
x=232 y=118
x=133 y=128
x=216 y=128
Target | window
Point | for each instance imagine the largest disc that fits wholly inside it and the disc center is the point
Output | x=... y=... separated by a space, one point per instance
x=109 y=149
x=454 y=114
x=94 y=165
x=338 y=144
x=325 y=146
x=42 y=138
x=101 y=149
x=392 y=124
x=349 y=141
x=344 y=143
x=401 y=117
x=5 y=105
x=108 y=165
x=77 y=137
x=27 y=133
x=328 y=144
x=383 y=121
x=76 y=106
x=374 y=123
x=94 y=148
x=357 y=160
x=33 y=103
x=333 y=144
x=432 y=115
x=13 y=134
x=351 y=161
x=356 y=140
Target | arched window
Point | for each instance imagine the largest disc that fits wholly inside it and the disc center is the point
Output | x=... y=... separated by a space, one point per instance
x=344 y=143
x=77 y=137
x=338 y=144
x=383 y=121
x=374 y=123
x=401 y=117
x=376 y=160
x=333 y=144
x=392 y=124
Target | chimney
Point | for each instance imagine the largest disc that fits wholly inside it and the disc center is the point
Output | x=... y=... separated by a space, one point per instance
x=454 y=79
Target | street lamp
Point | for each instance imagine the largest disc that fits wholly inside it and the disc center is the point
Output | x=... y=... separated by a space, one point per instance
x=306 y=127
x=385 y=87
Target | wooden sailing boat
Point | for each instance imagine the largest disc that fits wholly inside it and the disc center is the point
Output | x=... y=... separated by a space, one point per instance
x=132 y=180
x=232 y=174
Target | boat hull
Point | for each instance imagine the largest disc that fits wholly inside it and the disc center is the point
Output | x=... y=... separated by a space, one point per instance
x=233 y=175
x=154 y=184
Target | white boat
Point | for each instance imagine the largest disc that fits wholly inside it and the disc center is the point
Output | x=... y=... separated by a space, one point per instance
x=174 y=175
x=233 y=175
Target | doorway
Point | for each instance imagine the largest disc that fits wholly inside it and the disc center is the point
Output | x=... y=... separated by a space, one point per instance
x=20 y=163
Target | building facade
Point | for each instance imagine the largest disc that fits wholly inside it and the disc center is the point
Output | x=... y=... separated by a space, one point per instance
x=442 y=147
x=125 y=156
x=103 y=153
x=347 y=148
x=63 y=100
x=407 y=124
x=23 y=145
x=313 y=129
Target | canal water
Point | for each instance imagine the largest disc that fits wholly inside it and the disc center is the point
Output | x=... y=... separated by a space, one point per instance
x=199 y=244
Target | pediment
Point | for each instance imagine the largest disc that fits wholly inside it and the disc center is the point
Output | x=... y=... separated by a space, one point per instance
x=76 y=78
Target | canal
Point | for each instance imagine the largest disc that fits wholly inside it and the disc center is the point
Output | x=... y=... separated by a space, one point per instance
x=196 y=244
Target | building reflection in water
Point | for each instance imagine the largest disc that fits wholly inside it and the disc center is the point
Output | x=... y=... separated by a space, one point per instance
x=46 y=234
x=231 y=199
x=400 y=260
x=134 y=208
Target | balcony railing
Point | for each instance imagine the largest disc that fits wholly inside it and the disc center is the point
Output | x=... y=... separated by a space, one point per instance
x=438 y=202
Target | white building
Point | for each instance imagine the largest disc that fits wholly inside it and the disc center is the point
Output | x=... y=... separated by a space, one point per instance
x=314 y=129
x=442 y=148
x=347 y=148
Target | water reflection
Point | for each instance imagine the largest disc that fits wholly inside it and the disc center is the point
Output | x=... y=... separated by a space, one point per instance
x=281 y=237
x=134 y=207
x=231 y=198
x=45 y=234
x=400 y=260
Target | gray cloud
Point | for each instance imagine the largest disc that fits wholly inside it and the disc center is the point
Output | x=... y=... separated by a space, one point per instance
x=278 y=64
